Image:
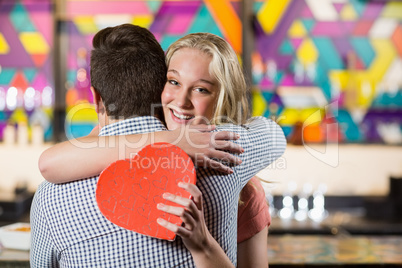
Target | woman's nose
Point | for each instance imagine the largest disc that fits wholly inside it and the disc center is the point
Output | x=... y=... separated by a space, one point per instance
x=182 y=99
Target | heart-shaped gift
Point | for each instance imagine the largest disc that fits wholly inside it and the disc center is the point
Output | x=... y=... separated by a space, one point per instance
x=129 y=190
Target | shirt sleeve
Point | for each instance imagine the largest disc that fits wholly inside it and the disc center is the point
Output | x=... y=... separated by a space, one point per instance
x=253 y=215
x=263 y=142
x=43 y=252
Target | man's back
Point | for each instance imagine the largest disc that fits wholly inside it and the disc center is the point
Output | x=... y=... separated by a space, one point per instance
x=73 y=233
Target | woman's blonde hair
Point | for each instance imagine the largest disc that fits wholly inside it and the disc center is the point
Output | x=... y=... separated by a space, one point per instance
x=232 y=105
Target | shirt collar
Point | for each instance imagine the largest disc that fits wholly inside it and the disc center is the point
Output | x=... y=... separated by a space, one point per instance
x=135 y=125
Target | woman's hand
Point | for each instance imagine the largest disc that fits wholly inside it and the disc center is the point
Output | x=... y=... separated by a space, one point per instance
x=194 y=231
x=205 y=250
x=206 y=147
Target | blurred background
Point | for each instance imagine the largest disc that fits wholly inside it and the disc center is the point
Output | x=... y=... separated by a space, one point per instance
x=328 y=71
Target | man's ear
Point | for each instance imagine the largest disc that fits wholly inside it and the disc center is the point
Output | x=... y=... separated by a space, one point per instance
x=99 y=107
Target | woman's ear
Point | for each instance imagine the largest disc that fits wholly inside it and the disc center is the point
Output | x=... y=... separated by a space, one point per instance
x=99 y=107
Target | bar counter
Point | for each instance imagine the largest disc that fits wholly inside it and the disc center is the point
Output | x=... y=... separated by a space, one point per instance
x=314 y=250
x=301 y=250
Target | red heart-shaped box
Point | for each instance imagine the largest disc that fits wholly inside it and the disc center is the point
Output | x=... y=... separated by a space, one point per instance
x=129 y=190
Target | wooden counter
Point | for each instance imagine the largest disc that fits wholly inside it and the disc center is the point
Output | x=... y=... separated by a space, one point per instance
x=14 y=258
x=334 y=250
x=296 y=250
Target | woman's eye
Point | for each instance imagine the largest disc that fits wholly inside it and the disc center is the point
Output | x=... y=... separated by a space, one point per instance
x=201 y=90
x=173 y=82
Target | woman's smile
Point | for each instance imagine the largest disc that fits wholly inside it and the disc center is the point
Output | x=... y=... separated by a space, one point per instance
x=181 y=116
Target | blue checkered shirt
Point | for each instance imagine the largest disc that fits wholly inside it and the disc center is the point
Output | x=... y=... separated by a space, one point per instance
x=68 y=229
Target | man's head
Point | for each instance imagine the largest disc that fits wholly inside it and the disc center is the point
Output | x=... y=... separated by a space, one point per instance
x=128 y=72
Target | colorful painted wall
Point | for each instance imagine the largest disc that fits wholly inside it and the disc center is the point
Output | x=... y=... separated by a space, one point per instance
x=330 y=70
x=325 y=70
x=26 y=78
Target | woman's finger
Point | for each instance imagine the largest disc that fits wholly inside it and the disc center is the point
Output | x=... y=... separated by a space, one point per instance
x=226 y=135
x=185 y=215
x=185 y=202
x=183 y=232
x=195 y=193
x=213 y=164
x=192 y=207
x=224 y=157
x=189 y=221
x=168 y=225
x=179 y=230
x=228 y=146
x=177 y=211
x=189 y=207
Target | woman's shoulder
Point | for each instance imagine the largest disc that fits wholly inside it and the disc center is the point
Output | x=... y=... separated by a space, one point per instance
x=252 y=190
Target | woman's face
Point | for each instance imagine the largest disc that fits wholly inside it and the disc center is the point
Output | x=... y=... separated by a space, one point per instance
x=191 y=93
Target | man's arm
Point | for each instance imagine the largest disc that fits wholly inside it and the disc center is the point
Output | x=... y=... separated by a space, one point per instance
x=43 y=252
x=263 y=142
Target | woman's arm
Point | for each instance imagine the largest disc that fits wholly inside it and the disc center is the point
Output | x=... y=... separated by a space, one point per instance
x=205 y=250
x=252 y=226
x=88 y=156
x=253 y=252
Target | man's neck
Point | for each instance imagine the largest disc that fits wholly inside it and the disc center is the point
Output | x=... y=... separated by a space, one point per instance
x=105 y=120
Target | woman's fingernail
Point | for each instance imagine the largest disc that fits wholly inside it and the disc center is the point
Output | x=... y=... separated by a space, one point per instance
x=167 y=196
x=160 y=221
x=160 y=206
x=181 y=184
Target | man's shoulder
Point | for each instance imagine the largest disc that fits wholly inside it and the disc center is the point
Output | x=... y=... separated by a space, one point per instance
x=49 y=189
x=44 y=191
x=44 y=187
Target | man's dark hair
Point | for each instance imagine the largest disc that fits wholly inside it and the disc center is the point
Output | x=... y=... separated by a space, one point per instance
x=128 y=70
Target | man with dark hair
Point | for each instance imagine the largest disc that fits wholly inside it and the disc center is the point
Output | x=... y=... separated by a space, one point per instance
x=128 y=71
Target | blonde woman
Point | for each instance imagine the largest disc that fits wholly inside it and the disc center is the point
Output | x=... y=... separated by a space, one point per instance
x=205 y=84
